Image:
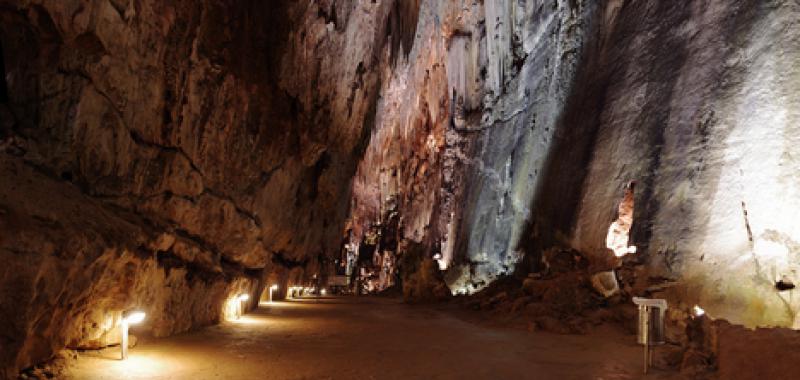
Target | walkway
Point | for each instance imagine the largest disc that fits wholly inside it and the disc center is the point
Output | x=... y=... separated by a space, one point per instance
x=367 y=338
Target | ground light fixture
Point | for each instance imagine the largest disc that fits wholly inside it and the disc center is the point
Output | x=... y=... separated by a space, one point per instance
x=272 y=289
x=128 y=318
x=241 y=298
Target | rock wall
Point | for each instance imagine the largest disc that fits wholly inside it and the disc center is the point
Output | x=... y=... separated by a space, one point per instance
x=72 y=266
x=464 y=127
x=170 y=155
x=514 y=126
x=700 y=109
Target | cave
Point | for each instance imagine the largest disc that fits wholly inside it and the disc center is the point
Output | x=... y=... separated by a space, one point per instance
x=394 y=189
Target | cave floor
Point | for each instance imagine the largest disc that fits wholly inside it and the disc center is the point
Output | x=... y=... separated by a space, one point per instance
x=368 y=338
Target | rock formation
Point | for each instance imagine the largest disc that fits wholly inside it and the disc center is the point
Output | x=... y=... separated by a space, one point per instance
x=172 y=154
x=551 y=108
x=168 y=155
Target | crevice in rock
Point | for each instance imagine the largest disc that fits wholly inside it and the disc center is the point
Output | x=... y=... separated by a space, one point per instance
x=329 y=14
x=357 y=84
x=138 y=139
x=402 y=27
x=3 y=85
x=281 y=259
x=240 y=210
x=323 y=162
x=134 y=134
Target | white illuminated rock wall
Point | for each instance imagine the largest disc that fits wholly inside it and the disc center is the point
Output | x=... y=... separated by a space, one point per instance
x=463 y=127
x=514 y=126
x=533 y=50
x=703 y=112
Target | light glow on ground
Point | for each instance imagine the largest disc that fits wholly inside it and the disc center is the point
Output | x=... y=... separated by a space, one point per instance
x=325 y=339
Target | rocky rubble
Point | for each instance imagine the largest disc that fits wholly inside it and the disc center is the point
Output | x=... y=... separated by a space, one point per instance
x=716 y=348
x=561 y=298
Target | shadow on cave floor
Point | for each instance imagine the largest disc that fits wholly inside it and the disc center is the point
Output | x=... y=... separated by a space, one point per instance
x=367 y=338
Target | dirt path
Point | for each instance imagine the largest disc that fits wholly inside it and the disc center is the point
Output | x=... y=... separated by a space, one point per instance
x=367 y=338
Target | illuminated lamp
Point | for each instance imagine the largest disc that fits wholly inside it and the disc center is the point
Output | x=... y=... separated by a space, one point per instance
x=241 y=298
x=271 y=289
x=128 y=318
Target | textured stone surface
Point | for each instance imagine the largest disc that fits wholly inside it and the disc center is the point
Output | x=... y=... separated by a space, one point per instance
x=166 y=154
x=553 y=107
x=464 y=127
x=176 y=153
x=71 y=266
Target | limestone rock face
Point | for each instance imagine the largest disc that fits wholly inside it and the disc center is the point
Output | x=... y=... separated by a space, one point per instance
x=698 y=110
x=464 y=126
x=172 y=154
x=514 y=126
x=220 y=121
x=169 y=155
x=71 y=267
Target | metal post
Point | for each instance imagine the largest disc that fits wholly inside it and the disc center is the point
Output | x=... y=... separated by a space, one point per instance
x=646 y=310
x=124 y=341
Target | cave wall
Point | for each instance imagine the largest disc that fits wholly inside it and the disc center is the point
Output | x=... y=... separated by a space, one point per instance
x=206 y=147
x=701 y=110
x=71 y=267
x=218 y=118
x=515 y=126
x=170 y=155
x=464 y=126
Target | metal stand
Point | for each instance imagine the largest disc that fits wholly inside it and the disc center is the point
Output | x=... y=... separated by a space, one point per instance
x=646 y=310
x=651 y=326
x=124 y=341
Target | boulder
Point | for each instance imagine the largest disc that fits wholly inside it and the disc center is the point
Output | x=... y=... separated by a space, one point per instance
x=605 y=283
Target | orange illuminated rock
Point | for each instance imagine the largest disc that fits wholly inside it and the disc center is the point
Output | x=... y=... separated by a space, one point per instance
x=619 y=231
